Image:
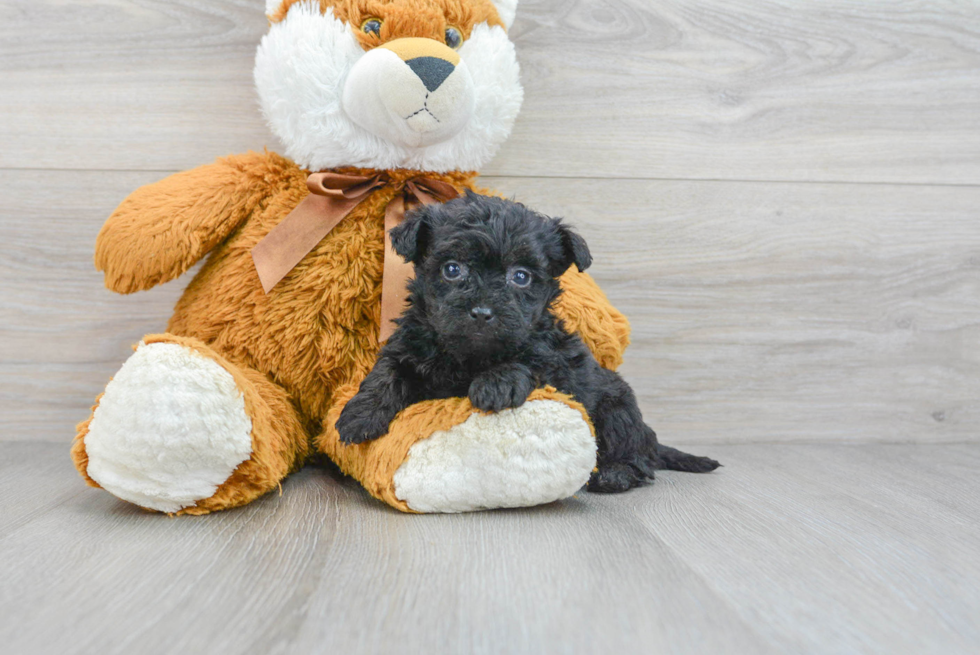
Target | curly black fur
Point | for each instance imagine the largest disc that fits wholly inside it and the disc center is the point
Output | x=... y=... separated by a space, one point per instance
x=480 y=324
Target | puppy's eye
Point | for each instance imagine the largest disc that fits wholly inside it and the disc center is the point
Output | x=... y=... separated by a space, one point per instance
x=372 y=26
x=453 y=38
x=453 y=271
x=520 y=277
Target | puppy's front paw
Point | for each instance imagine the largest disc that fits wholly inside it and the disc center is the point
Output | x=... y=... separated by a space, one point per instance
x=361 y=421
x=501 y=388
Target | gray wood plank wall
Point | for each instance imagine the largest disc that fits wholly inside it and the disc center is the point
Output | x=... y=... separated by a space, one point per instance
x=783 y=196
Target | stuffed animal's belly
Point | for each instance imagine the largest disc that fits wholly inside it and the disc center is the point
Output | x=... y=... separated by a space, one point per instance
x=317 y=328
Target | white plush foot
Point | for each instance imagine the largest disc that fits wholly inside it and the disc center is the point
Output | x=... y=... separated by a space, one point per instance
x=170 y=428
x=538 y=453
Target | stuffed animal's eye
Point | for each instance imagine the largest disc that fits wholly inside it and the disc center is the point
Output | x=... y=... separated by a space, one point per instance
x=520 y=277
x=453 y=38
x=372 y=26
x=453 y=271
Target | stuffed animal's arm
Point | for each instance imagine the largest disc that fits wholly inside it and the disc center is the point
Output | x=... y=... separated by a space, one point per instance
x=585 y=309
x=164 y=228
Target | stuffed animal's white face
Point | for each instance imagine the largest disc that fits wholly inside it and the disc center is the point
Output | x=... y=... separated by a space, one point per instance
x=431 y=85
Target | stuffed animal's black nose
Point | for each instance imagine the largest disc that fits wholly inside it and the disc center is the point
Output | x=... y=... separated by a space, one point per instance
x=433 y=71
x=484 y=313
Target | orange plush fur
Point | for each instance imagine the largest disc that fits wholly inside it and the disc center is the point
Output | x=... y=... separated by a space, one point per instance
x=419 y=18
x=297 y=354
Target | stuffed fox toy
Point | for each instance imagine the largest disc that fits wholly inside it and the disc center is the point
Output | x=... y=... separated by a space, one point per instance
x=382 y=105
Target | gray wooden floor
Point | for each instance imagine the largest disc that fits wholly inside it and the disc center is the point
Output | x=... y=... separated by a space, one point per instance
x=783 y=196
x=787 y=549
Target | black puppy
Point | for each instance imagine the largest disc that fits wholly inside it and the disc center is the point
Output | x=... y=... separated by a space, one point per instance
x=480 y=324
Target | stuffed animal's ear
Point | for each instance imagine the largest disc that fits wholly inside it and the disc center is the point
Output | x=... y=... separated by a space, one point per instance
x=574 y=250
x=507 y=10
x=411 y=238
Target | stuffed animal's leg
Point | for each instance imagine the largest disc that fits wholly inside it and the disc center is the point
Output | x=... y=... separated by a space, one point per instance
x=444 y=456
x=181 y=429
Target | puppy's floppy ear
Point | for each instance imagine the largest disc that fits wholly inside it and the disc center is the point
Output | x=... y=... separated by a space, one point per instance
x=410 y=239
x=574 y=250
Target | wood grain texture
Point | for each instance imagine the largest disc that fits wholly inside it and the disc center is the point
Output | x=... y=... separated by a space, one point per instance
x=776 y=90
x=760 y=312
x=788 y=548
x=806 y=519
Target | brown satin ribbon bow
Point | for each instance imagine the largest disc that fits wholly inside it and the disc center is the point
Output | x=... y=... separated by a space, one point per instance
x=332 y=197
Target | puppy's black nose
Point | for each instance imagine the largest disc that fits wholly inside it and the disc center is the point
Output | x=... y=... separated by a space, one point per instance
x=482 y=312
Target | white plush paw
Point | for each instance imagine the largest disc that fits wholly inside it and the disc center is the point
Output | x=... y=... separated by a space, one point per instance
x=538 y=453
x=170 y=428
